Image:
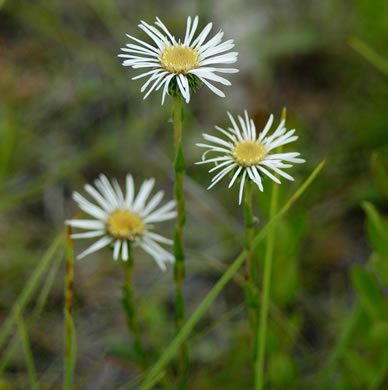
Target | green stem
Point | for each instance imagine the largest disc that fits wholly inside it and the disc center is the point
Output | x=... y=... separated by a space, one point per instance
x=129 y=306
x=197 y=315
x=27 y=349
x=69 y=325
x=262 y=332
x=250 y=289
x=179 y=266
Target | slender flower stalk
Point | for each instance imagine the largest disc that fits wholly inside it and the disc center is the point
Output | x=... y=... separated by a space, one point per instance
x=129 y=307
x=179 y=266
x=266 y=285
x=250 y=280
x=69 y=324
x=262 y=332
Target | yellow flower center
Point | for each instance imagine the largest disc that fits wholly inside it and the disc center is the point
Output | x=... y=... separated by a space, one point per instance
x=179 y=59
x=125 y=224
x=248 y=153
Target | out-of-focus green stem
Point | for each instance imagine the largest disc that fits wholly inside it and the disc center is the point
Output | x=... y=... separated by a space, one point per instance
x=68 y=310
x=179 y=266
x=197 y=315
x=27 y=349
x=30 y=287
x=129 y=306
x=370 y=55
x=340 y=347
x=40 y=302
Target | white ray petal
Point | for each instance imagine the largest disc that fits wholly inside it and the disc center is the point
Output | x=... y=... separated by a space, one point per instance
x=89 y=207
x=147 y=248
x=90 y=234
x=212 y=87
x=218 y=166
x=266 y=128
x=159 y=238
x=124 y=250
x=240 y=194
x=269 y=174
x=155 y=200
x=202 y=36
x=98 y=197
x=193 y=30
x=116 y=249
x=86 y=224
x=143 y=194
x=143 y=43
x=220 y=175
x=165 y=29
x=130 y=191
x=235 y=176
x=258 y=178
x=101 y=243
x=216 y=140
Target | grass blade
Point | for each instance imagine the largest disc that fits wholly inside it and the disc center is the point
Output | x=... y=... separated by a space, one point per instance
x=27 y=349
x=30 y=287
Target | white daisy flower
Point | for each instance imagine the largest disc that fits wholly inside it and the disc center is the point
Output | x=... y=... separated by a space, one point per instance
x=122 y=220
x=247 y=154
x=177 y=65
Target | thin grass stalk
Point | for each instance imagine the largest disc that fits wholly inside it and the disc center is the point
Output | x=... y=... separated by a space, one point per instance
x=68 y=311
x=27 y=349
x=30 y=287
x=370 y=55
x=179 y=265
x=170 y=351
x=40 y=303
x=130 y=310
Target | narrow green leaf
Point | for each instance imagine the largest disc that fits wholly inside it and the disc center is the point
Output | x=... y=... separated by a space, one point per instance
x=377 y=228
x=380 y=266
x=360 y=367
x=380 y=173
x=370 y=55
x=379 y=333
x=27 y=349
x=370 y=293
x=30 y=287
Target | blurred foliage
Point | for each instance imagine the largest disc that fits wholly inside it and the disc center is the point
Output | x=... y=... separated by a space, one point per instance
x=68 y=111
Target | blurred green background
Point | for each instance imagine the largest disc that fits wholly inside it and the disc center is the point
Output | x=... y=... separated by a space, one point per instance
x=69 y=110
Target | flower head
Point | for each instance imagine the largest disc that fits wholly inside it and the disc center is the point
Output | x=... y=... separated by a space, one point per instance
x=248 y=155
x=177 y=66
x=123 y=220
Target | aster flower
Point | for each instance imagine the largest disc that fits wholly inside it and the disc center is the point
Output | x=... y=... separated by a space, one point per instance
x=178 y=66
x=122 y=220
x=248 y=155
